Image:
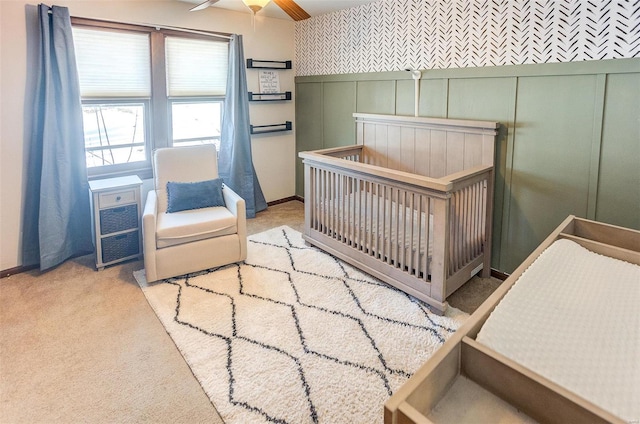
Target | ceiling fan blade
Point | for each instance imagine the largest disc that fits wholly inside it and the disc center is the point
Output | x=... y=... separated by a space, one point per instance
x=292 y=9
x=202 y=6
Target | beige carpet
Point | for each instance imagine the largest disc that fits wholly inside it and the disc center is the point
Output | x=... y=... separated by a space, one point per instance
x=78 y=345
x=294 y=335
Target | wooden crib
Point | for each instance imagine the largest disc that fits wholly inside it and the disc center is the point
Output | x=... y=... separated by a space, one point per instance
x=410 y=203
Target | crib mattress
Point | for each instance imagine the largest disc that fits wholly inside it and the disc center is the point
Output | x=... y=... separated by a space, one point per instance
x=382 y=215
x=573 y=318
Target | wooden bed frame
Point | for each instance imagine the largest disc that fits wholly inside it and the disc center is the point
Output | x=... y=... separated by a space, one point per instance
x=462 y=357
x=367 y=203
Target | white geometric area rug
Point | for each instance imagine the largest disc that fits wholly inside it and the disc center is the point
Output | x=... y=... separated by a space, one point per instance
x=294 y=335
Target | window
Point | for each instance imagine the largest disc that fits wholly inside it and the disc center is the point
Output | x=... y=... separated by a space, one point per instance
x=196 y=84
x=144 y=88
x=114 y=133
x=192 y=123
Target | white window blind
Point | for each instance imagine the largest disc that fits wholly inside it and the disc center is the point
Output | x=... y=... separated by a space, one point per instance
x=112 y=63
x=196 y=67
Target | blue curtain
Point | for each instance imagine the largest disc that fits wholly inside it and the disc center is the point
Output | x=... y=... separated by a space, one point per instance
x=235 y=162
x=57 y=220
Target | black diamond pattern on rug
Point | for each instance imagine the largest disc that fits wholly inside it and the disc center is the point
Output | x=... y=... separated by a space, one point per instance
x=298 y=335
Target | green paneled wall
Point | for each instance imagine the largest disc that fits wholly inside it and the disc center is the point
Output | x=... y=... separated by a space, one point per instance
x=338 y=125
x=620 y=153
x=309 y=123
x=483 y=98
x=551 y=159
x=569 y=141
x=376 y=97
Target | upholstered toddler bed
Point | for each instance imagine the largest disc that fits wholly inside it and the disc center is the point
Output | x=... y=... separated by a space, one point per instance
x=410 y=203
x=558 y=341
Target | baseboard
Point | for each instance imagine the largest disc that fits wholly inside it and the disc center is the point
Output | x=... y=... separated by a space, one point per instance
x=16 y=270
x=285 y=200
x=499 y=274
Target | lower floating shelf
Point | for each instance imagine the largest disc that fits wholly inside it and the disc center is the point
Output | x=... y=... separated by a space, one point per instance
x=263 y=129
x=269 y=97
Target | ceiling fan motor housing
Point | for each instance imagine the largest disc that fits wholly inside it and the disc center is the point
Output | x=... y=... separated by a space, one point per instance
x=290 y=7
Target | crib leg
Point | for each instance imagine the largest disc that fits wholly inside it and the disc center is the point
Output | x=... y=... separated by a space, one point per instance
x=486 y=271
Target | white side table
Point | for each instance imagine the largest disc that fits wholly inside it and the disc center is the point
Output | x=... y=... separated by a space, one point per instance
x=116 y=205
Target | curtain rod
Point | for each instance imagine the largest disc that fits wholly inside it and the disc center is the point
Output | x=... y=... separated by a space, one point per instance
x=193 y=31
x=159 y=27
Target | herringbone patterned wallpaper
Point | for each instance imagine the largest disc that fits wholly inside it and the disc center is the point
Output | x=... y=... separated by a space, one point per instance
x=389 y=35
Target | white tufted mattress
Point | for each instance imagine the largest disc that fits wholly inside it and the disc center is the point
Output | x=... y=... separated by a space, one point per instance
x=573 y=317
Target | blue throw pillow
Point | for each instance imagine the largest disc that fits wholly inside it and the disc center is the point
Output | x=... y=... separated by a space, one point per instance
x=187 y=196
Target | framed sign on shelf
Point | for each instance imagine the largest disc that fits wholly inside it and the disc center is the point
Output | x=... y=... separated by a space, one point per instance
x=269 y=82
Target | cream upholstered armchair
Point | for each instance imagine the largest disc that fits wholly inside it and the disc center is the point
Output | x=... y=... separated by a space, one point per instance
x=191 y=222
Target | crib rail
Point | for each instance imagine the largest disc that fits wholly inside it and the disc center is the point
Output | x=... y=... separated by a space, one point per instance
x=468 y=214
x=405 y=224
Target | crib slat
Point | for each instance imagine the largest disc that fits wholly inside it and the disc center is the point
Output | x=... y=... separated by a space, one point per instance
x=321 y=202
x=403 y=237
x=427 y=238
x=345 y=209
x=356 y=215
x=331 y=178
x=471 y=212
x=332 y=204
x=454 y=232
x=377 y=233
x=372 y=217
x=396 y=236
x=467 y=227
x=457 y=244
x=477 y=219
x=325 y=184
x=472 y=218
x=419 y=238
x=316 y=206
x=466 y=243
x=463 y=227
x=399 y=223
x=349 y=212
x=327 y=202
x=337 y=203
x=412 y=224
x=340 y=207
x=387 y=225
x=464 y=246
x=366 y=217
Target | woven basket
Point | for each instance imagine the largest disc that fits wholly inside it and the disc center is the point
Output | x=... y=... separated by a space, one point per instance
x=118 y=219
x=120 y=246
